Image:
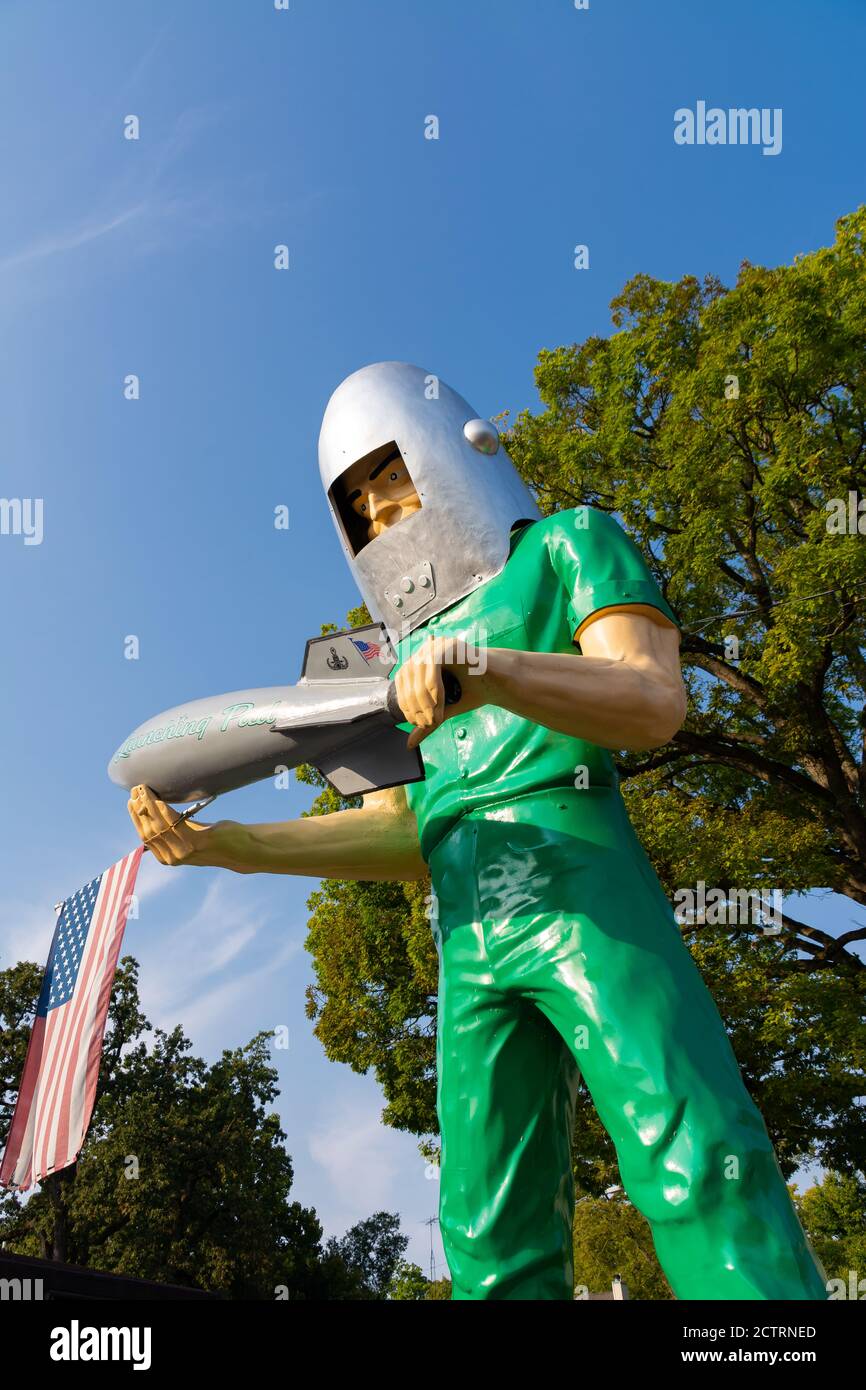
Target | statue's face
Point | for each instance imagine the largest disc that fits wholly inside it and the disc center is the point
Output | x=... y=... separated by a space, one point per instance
x=383 y=494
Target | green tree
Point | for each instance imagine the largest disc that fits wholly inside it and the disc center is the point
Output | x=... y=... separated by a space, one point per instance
x=611 y=1237
x=184 y=1176
x=408 y=1283
x=374 y=999
x=373 y=1249
x=724 y=428
x=833 y=1213
x=439 y=1290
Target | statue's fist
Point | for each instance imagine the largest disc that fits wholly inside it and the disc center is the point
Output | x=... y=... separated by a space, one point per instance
x=420 y=686
x=171 y=840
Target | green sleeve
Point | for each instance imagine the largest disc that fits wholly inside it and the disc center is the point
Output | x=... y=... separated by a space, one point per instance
x=599 y=565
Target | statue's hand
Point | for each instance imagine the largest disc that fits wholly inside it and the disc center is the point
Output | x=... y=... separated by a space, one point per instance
x=174 y=844
x=421 y=689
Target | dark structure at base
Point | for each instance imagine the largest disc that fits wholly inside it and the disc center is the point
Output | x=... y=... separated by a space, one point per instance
x=25 y=1280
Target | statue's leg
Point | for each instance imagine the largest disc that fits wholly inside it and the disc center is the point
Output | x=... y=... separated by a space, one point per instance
x=506 y=1090
x=591 y=938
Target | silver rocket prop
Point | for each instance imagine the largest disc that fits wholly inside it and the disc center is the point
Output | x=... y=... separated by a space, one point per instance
x=341 y=717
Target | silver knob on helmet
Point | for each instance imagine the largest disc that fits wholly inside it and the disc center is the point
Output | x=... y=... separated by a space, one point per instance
x=482 y=435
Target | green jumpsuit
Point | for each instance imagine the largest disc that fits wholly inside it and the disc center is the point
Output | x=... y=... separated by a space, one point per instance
x=559 y=956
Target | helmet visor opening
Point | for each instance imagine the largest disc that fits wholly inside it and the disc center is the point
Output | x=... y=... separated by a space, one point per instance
x=373 y=494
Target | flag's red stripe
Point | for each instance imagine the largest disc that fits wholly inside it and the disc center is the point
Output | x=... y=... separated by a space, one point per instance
x=56 y=1155
x=61 y=1069
x=91 y=1026
x=56 y=1019
x=57 y=1035
x=95 y=1053
x=32 y=1063
x=92 y=966
x=57 y=1022
x=79 y=1057
x=66 y=1044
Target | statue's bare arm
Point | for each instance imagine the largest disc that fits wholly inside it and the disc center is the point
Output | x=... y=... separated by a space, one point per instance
x=625 y=691
x=377 y=841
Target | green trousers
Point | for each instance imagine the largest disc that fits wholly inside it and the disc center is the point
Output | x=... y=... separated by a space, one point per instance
x=560 y=956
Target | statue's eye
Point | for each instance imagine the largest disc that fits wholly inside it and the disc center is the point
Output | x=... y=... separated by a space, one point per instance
x=363 y=506
x=394 y=477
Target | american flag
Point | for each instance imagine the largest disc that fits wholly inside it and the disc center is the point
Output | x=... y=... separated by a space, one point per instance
x=368 y=650
x=58 y=1086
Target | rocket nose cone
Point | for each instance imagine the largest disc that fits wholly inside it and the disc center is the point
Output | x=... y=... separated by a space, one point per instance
x=115 y=771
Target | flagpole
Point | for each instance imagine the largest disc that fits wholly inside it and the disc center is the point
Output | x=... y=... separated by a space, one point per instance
x=184 y=815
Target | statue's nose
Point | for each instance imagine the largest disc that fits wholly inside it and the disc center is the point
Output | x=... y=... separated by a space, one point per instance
x=379 y=505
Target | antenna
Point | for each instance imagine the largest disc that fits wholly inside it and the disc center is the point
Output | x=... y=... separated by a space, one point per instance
x=433 y=1221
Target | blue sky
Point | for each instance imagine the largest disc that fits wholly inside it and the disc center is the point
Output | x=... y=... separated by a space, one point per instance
x=155 y=257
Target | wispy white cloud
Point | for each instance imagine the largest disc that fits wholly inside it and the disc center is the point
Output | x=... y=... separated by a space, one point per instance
x=226 y=931
x=27 y=926
x=208 y=1014
x=210 y=966
x=359 y=1157
x=148 y=56
x=150 y=197
x=155 y=878
x=89 y=230
x=26 y=930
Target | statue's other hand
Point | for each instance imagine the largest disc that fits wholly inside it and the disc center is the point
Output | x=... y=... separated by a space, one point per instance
x=155 y=822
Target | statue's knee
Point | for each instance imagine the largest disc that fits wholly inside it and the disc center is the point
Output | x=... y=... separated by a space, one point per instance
x=696 y=1162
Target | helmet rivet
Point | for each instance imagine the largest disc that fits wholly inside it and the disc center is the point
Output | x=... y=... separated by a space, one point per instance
x=406 y=584
x=482 y=435
x=398 y=602
x=424 y=581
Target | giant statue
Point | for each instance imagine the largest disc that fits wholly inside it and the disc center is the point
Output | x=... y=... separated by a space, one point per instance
x=525 y=651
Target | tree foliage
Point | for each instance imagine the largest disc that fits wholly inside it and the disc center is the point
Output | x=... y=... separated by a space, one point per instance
x=408 y=1284
x=612 y=1238
x=373 y=1249
x=833 y=1213
x=184 y=1177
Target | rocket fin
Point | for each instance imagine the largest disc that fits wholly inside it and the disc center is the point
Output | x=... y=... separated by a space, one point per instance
x=369 y=764
x=349 y=655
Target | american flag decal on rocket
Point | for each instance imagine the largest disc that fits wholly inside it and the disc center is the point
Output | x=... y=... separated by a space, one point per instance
x=368 y=650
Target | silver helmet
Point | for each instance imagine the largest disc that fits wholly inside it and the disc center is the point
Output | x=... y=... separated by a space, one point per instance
x=392 y=415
